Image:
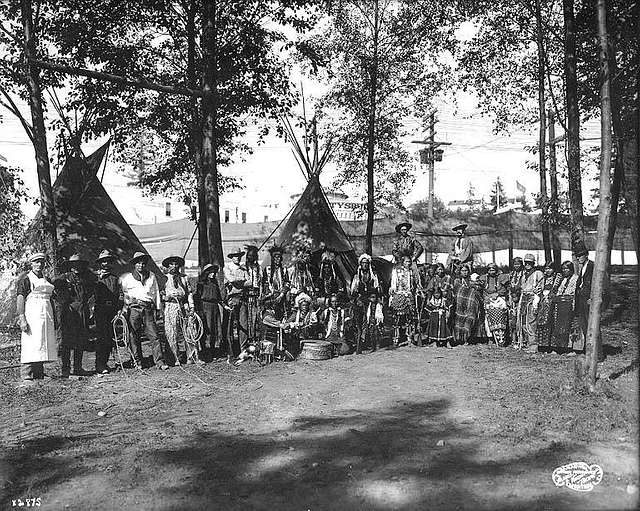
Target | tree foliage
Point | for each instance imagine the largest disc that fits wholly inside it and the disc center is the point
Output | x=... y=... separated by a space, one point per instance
x=403 y=70
x=12 y=220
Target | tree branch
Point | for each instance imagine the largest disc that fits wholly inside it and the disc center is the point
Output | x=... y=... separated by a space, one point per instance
x=140 y=84
x=13 y=108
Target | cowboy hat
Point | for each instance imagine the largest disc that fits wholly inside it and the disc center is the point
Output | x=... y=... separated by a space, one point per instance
x=237 y=253
x=76 y=258
x=137 y=256
x=210 y=267
x=530 y=258
x=105 y=254
x=403 y=224
x=38 y=256
x=580 y=249
x=173 y=259
x=460 y=227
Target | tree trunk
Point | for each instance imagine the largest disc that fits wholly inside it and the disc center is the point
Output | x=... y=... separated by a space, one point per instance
x=619 y=137
x=209 y=141
x=542 y=109
x=573 y=123
x=195 y=137
x=371 y=142
x=49 y=221
x=553 y=183
x=601 y=266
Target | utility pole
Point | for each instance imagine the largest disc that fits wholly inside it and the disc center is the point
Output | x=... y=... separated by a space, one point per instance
x=430 y=155
x=432 y=135
x=553 y=184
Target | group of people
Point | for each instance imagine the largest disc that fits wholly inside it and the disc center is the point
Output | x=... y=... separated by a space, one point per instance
x=249 y=307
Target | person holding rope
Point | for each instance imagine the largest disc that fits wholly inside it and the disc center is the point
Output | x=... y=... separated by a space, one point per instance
x=236 y=280
x=461 y=252
x=142 y=302
x=35 y=313
x=109 y=299
x=178 y=300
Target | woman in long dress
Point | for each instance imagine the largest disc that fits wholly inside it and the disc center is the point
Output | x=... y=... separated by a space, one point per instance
x=545 y=317
x=562 y=310
x=35 y=313
x=495 y=291
x=468 y=304
x=405 y=285
x=438 y=309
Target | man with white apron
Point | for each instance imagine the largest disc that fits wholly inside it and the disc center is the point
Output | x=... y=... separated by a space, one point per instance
x=35 y=313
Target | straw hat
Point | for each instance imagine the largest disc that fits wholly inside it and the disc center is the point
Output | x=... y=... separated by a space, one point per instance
x=403 y=224
x=104 y=255
x=173 y=259
x=38 y=256
x=137 y=256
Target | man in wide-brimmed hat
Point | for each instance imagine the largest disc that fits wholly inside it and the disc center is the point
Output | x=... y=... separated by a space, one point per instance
x=406 y=244
x=461 y=251
x=210 y=300
x=583 y=291
x=74 y=294
x=109 y=299
x=532 y=286
x=275 y=282
x=142 y=303
x=177 y=296
x=236 y=280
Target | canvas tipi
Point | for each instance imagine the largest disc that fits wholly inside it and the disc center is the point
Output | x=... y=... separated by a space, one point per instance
x=87 y=222
x=313 y=206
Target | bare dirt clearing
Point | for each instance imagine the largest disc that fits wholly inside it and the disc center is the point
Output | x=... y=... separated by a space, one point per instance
x=476 y=427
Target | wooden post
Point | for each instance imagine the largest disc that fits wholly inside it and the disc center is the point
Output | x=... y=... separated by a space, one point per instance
x=622 y=255
x=553 y=185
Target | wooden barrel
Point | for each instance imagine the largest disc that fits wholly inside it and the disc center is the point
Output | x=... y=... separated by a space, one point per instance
x=316 y=350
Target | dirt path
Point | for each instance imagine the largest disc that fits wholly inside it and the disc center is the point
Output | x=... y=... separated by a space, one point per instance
x=476 y=427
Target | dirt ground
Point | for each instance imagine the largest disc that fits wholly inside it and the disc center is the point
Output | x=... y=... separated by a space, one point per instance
x=474 y=427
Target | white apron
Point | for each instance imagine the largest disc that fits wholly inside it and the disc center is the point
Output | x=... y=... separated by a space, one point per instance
x=39 y=345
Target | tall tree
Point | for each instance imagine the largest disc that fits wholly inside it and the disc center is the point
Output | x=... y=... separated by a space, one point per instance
x=542 y=131
x=20 y=44
x=243 y=65
x=380 y=57
x=573 y=121
x=497 y=196
x=601 y=266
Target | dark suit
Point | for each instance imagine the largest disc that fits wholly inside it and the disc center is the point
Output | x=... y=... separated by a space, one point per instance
x=583 y=294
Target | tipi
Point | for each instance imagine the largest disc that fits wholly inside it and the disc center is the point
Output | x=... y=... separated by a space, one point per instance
x=87 y=219
x=313 y=206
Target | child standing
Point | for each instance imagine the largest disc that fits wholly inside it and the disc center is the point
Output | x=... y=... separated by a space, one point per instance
x=372 y=322
x=439 y=310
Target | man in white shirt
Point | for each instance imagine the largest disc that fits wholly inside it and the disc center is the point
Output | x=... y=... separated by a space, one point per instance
x=141 y=302
x=236 y=280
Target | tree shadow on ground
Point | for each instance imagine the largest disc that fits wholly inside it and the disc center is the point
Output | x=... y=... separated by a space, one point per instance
x=373 y=459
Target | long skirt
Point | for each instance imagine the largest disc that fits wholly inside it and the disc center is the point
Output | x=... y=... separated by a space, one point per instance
x=437 y=329
x=544 y=328
x=467 y=314
x=562 y=320
x=497 y=318
x=403 y=309
x=526 y=321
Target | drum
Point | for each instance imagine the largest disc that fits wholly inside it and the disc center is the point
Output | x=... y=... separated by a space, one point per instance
x=316 y=350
